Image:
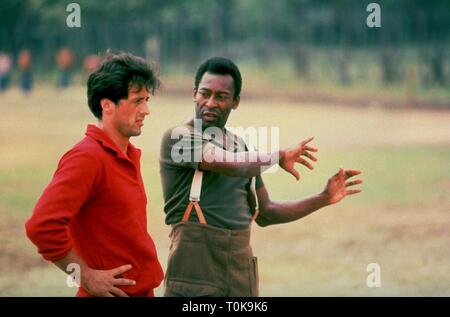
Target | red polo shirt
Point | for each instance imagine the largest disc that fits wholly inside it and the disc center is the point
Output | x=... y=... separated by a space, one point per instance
x=96 y=204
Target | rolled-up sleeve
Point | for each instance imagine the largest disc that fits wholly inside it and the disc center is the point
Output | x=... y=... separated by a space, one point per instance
x=73 y=184
x=182 y=147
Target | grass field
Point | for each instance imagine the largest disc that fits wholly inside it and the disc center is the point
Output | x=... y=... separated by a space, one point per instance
x=401 y=220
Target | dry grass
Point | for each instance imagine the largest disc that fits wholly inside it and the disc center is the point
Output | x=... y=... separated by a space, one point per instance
x=401 y=220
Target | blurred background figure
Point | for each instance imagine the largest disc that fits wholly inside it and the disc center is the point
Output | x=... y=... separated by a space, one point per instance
x=26 y=79
x=64 y=60
x=91 y=62
x=5 y=69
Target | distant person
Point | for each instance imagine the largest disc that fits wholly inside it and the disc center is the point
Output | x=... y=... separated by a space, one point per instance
x=91 y=62
x=5 y=70
x=26 y=79
x=94 y=211
x=210 y=253
x=64 y=60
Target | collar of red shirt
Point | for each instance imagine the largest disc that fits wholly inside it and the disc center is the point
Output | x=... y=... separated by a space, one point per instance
x=134 y=154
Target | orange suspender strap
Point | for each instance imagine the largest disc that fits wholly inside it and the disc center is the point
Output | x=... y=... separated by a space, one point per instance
x=198 y=210
x=194 y=198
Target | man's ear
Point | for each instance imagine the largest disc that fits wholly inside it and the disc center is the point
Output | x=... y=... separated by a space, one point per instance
x=107 y=105
x=236 y=102
x=194 y=92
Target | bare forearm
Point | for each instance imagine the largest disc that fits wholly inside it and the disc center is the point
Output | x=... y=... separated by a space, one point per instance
x=243 y=164
x=253 y=164
x=97 y=282
x=288 y=211
x=71 y=257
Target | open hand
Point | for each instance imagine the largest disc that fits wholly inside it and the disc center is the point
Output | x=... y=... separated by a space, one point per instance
x=336 y=188
x=104 y=283
x=294 y=155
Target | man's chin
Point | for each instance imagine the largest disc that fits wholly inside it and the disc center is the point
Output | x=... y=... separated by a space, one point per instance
x=136 y=133
x=209 y=123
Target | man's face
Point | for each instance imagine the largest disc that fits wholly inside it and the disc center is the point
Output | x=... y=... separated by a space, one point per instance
x=214 y=99
x=129 y=114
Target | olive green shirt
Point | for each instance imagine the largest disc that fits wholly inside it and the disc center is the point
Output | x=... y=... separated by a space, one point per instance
x=223 y=199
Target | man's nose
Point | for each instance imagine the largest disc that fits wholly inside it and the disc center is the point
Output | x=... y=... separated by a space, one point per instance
x=145 y=109
x=211 y=103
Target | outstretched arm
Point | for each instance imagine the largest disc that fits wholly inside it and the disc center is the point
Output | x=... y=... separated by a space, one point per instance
x=274 y=212
x=248 y=164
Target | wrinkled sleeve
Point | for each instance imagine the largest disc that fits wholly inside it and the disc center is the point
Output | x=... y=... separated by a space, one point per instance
x=182 y=147
x=73 y=184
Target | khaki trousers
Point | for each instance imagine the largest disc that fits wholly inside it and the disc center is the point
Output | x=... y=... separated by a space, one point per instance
x=209 y=261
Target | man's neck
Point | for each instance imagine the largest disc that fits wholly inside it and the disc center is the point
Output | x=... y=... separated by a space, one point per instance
x=225 y=132
x=191 y=123
x=119 y=140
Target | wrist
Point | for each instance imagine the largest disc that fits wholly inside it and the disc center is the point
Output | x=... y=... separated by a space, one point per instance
x=85 y=276
x=323 y=199
x=281 y=157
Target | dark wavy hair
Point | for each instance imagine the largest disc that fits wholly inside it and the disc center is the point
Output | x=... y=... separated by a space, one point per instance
x=115 y=76
x=220 y=66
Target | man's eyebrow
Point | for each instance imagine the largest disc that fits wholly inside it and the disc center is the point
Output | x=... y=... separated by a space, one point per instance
x=221 y=92
x=138 y=98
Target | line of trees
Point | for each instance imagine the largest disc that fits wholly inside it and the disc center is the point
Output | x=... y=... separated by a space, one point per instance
x=185 y=32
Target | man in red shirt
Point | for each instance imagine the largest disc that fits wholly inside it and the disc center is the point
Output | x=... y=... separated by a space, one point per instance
x=93 y=212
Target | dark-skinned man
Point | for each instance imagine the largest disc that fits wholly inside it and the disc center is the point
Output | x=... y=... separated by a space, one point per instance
x=207 y=169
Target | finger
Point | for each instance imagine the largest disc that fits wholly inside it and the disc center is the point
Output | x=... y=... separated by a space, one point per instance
x=309 y=155
x=108 y=295
x=307 y=141
x=118 y=292
x=358 y=181
x=351 y=173
x=339 y=173
x=295 y=174
x=309 y=148
x=124 y=281
x=353 y=191
x=305 y=163
x=121 y=269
